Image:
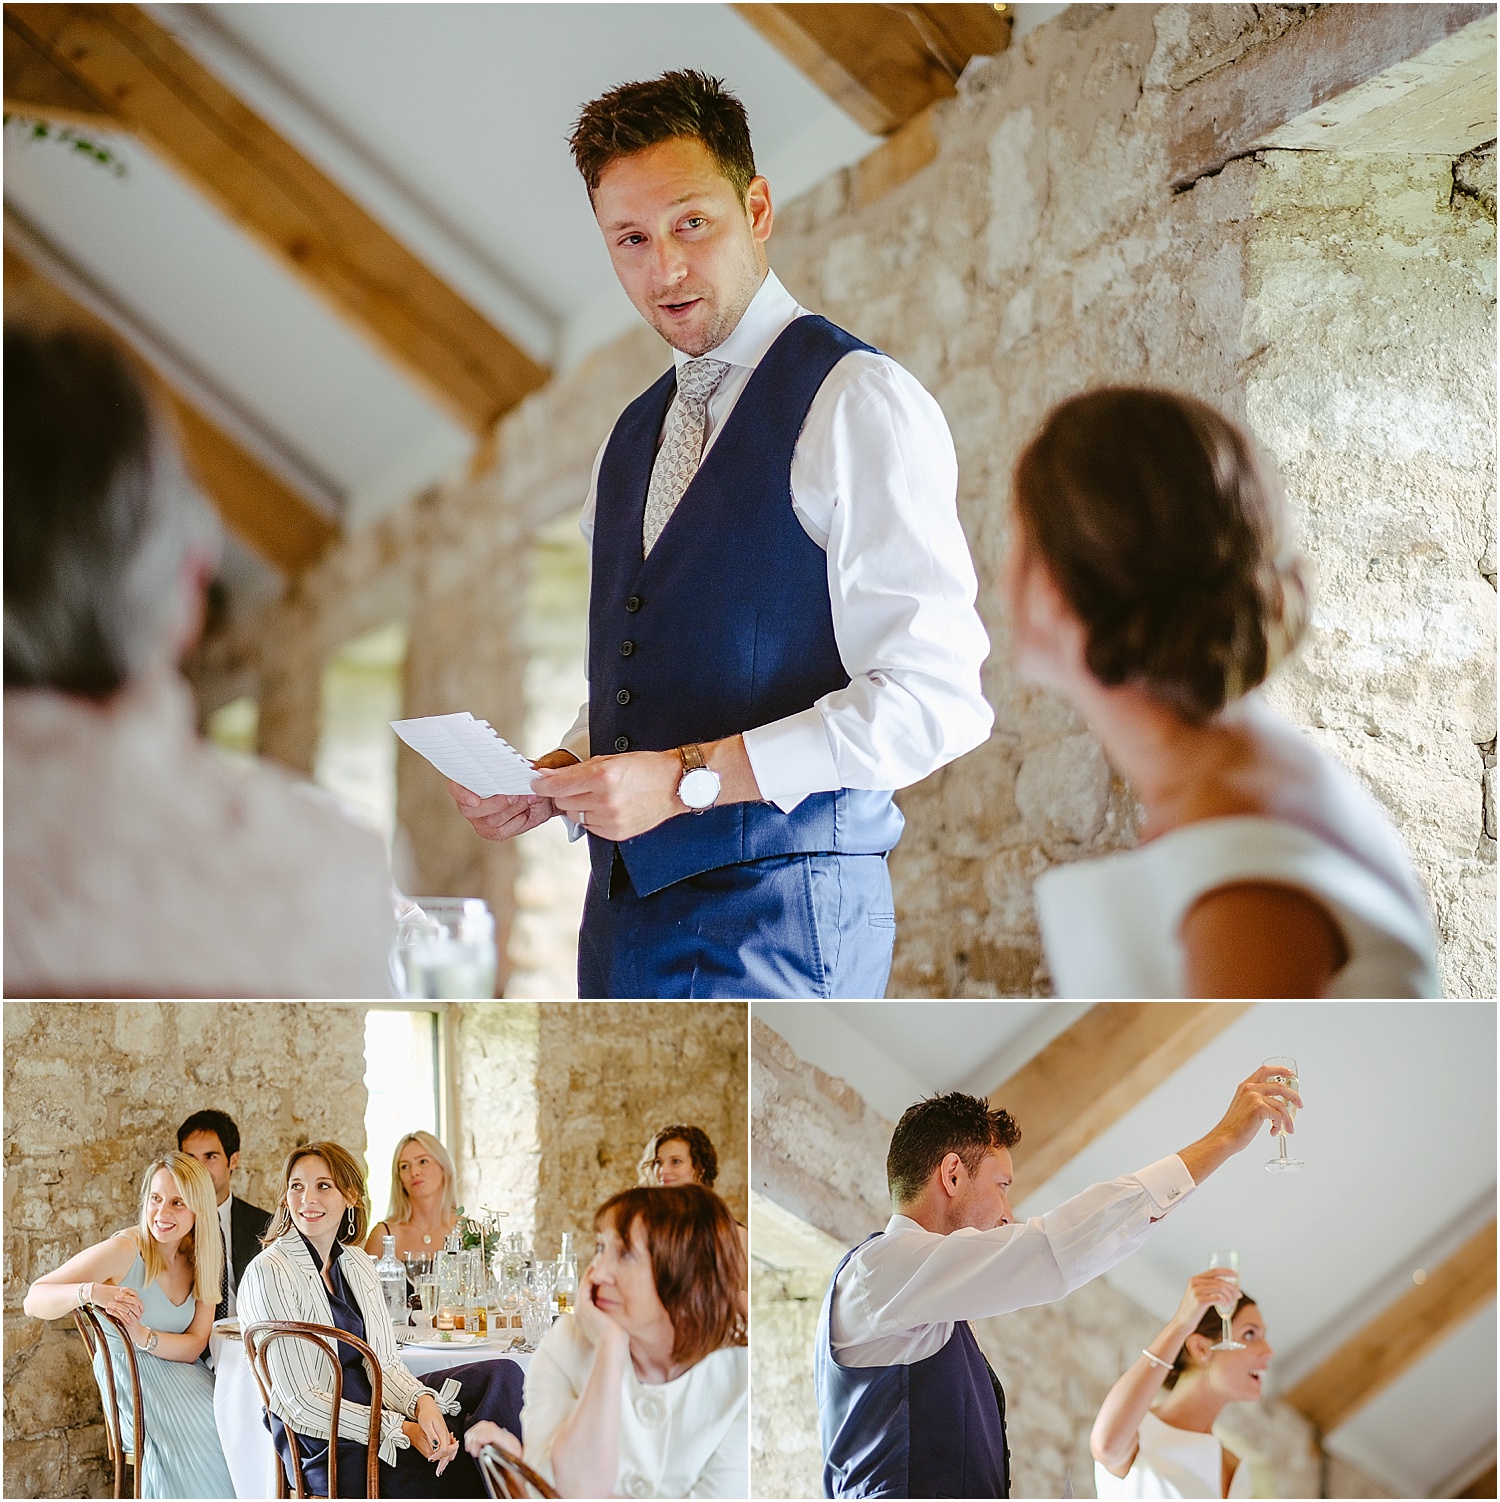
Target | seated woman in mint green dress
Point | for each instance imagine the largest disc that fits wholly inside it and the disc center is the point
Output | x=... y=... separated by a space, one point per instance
x=161 y=1278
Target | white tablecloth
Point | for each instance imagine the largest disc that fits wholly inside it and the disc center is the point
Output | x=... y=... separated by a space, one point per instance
x=237 y=1411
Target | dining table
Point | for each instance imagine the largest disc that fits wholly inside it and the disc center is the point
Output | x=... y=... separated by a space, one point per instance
x=239 y=1416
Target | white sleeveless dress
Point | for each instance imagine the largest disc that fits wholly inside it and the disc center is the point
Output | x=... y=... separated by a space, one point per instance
x=1173 y=1463
x=1111 y=926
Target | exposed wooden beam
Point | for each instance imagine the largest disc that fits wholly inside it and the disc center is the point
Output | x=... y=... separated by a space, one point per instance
x=882 y=64
x=1088 y=1077
x=1234 y=110
x=1399 y=1335
x=1483 y=1485
x=158 y=90
x=36 y=86
x=260 y=507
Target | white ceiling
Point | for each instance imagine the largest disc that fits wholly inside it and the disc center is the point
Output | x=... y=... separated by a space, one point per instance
x=1399 y=1139
x=448 y=123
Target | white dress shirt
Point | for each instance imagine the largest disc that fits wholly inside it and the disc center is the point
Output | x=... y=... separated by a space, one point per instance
x=689 y=1437
x=899 y=1296
x=229 y=1278
x=874 y=484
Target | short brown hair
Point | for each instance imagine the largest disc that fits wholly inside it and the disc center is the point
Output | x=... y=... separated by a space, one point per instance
x=696 y=1260
x=943 y=1124
x=1166 y=533
x=684 y=103
x=700 y=1150
x=348 y=1178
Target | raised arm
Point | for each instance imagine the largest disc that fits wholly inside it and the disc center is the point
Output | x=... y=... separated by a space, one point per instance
x=1256 y=1100
x=576 y=1434
x=1116 y=1433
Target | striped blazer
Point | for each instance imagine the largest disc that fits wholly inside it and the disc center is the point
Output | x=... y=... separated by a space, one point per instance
x=283 y=1282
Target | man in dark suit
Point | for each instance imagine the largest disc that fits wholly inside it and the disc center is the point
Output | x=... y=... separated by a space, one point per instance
x=213 y=1139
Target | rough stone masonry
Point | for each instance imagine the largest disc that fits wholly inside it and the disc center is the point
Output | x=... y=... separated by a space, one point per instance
x=1342 y=305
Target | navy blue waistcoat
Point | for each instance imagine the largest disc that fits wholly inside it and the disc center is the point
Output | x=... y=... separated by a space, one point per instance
x=727 y=625
x=935 y=1428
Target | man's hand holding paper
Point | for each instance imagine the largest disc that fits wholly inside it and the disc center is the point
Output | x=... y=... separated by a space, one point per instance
x=505 y=815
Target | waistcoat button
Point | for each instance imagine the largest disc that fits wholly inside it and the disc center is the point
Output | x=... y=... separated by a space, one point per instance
x=626 y=648
x=623 y=697
x=633 y=604
x=622 y=743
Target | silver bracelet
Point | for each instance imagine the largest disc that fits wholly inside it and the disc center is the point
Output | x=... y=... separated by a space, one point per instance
x=1155 y=1360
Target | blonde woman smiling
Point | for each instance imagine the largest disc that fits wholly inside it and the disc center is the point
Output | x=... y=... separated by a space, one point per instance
x=424 y=1198
x=161 y=1279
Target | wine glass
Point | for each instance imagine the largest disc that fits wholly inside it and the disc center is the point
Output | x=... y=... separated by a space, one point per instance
x=1229 y=1262
x=427 y=1291
x=1286 y=1074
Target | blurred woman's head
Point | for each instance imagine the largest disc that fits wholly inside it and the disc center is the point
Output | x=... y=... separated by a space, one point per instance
x=1150 y=542
x=679 y=1154
x=104 y=532
x=322 y=1190
x=1234 y=1376
x=420 y=1166
x=179 y=1210
x=673 y=1252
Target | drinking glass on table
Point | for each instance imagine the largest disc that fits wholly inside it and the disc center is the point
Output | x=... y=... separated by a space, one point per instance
x=447 y=948
x=1286 y=1074
x=1229 y=1264
x=536 y=1319
x=427 y=1292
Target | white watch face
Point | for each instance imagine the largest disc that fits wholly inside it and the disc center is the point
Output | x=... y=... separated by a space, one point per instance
x=699 y=788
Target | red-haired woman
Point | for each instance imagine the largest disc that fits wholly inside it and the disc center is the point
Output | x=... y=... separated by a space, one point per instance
x=643 y=1391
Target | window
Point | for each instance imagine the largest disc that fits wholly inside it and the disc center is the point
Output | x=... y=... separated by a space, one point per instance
x=404 y=1076
x=361 y=695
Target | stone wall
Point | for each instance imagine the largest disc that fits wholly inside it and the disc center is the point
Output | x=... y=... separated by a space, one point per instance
x=498 y=1143
x=1372 y=380
x=92 y=1093
x=612 y=1073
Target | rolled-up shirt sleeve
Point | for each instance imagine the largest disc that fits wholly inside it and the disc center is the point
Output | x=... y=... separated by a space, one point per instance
x=874 y=482
x=913 y=1279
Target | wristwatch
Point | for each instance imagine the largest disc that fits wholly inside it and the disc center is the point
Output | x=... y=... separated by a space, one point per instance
x=151 y=1340
x=700 y=785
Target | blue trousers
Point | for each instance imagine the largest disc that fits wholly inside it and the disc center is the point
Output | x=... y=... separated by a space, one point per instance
x=808 y=926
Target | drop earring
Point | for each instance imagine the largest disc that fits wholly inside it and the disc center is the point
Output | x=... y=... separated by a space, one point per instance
x=350 y=1222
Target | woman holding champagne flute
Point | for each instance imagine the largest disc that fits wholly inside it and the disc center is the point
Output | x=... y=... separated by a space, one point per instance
x=1154 y=1434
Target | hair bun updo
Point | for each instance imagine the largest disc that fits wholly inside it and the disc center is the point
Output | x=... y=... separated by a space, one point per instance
x=1166 y=534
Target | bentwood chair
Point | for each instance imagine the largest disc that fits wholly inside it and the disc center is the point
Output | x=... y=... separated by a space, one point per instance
x=258 y=1340
x=88 y=1319
x=506 y=1476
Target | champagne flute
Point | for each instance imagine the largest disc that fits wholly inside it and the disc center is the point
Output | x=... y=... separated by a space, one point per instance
x=1286 y=1074
x=1229 y=1262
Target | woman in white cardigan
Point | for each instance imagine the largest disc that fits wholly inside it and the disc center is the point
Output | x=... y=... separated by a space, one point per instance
x=313 y=1270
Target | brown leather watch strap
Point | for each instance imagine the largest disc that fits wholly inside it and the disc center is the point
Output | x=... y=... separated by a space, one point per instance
x=692 y=758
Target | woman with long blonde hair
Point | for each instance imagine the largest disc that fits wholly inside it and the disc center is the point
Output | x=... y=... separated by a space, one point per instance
x=160 y=1278
x=424 y=1198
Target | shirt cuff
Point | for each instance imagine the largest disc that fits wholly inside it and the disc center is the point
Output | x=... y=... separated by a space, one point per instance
x=792 y=758
x=1168 y=1183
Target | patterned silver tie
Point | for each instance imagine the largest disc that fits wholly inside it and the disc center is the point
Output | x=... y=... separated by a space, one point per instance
x=681 y=445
